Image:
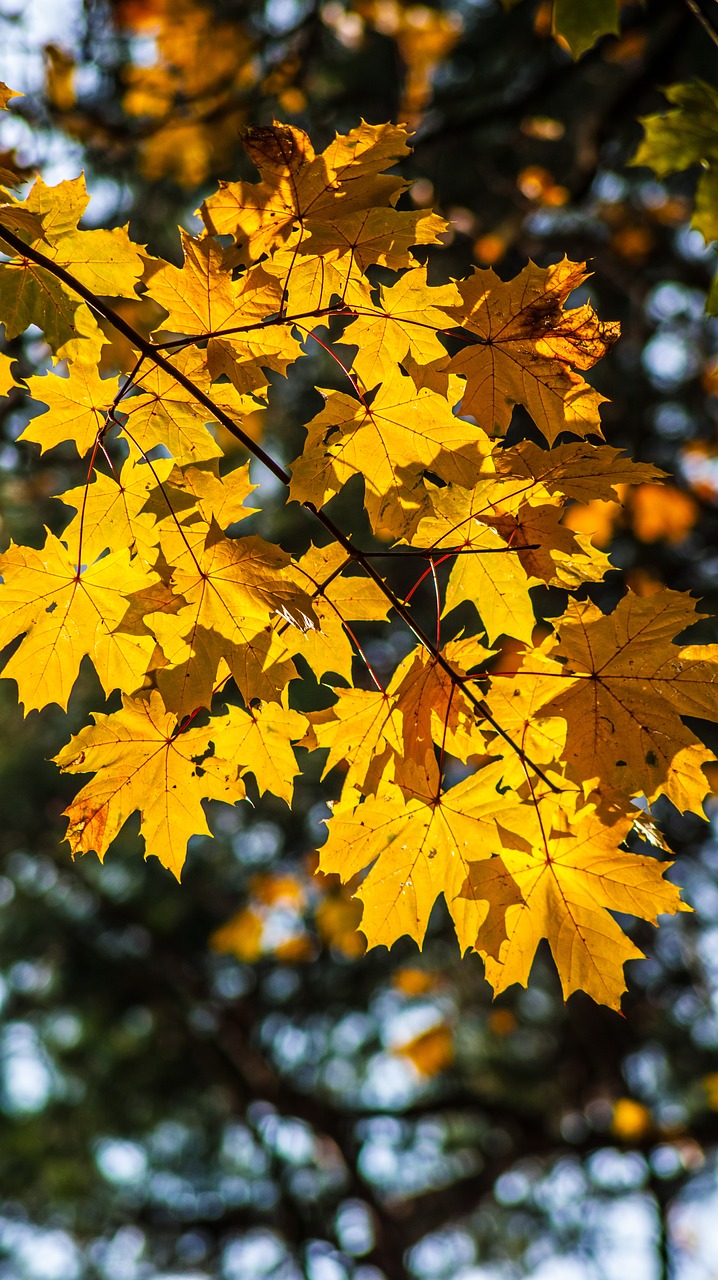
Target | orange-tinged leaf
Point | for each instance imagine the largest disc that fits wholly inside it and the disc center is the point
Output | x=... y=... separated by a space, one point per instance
x=6 y=94
x=433 y=710
x=581 y=471
x=141 y=763
x=278 y=889
x=300 y=190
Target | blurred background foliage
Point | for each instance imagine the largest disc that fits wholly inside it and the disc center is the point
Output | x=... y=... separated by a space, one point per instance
x=213 y=1080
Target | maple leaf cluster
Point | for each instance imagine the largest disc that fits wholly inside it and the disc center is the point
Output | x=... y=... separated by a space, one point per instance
x=504 y=768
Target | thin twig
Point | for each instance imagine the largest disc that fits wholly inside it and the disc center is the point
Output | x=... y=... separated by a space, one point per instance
x=701 y=17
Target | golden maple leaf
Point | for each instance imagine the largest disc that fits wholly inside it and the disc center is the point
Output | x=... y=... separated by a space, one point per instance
x=623 y=687
x=66 y=613
x=525 y=348
x=417 y=849
x=570 y=872
x=387 y=439
x=140 y=762
x=105 y=261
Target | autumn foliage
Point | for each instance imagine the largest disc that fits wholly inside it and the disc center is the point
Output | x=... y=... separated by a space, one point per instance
x=513 y=759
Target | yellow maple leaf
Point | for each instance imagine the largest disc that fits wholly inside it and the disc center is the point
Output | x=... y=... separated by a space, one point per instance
x=623 y=686
x=77 y=407
x=140 y=762
x=518 y=703
x=381 y=237
x=236 y=590
x=488 y=572
x=347 y=598
x=431 y=705
x=386 y=441
x=413 y=850
x=365 y=732
x=582 y=471
x=112 y=512
x=260 y=740
x=571 y=873
x=165 y=413
x=406 y=321
x=300 y=190
x=66 y=614
x=7 y=381
x=524 y=348
x=202 y=299
x=105 y=261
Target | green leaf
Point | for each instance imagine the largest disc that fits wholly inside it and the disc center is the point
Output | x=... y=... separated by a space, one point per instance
x=676 y=140
x=681 y=139
x=583 y=22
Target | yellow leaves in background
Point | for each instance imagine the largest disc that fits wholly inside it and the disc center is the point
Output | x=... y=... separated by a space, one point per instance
x=631 y=1120
x=667 y=513
x=192 y=93
x=431 y=1052
x=423 y=38
x=60 y=78
x=284 y=912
